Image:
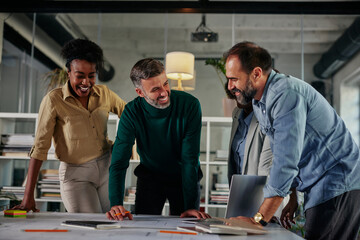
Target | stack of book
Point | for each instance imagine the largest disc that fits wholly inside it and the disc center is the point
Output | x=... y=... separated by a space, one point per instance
x=16 y=145
x=13 y=192
x=49 y=185
x=220 y=195
x=130 y=197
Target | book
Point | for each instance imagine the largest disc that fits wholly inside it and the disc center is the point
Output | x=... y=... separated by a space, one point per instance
x=189 y=229
x=99 y=225
x=15 y=154
x=50 y=190
x=220 y=195
x=49 y=185
x=229 y=226
x=13 y=188
x=55 y=195
x=50 y=172
x=217 y=192
x=17 y=139
x=14 y=192
x=222 y=186
x=51 y=181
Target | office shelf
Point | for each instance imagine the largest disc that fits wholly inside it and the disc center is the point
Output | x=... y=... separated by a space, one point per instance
x=215 y=135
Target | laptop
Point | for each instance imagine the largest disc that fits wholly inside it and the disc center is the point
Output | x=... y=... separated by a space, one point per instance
x=245 y=196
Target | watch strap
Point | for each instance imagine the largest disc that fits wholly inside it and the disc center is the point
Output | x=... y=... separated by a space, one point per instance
x=262 y=222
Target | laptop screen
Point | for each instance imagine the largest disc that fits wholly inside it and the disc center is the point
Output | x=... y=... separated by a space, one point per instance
x=246 y=195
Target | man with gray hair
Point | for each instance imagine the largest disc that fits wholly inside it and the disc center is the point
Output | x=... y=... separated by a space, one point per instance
x=166 y=126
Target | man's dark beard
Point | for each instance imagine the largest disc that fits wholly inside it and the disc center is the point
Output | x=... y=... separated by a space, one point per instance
x=244 y=98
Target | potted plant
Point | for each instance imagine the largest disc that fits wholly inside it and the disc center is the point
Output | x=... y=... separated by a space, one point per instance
x=56 y=78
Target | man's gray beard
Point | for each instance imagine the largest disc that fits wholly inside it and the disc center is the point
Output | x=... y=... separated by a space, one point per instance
x=155 y=104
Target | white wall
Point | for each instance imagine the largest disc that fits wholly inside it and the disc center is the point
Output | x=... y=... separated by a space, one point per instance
x=346 y=95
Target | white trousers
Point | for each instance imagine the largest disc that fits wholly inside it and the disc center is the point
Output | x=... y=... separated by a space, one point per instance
x=84 y=187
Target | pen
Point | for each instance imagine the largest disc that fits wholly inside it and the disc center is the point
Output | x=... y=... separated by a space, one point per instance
x=120 y=213
x=46 y=230
x=178 y=232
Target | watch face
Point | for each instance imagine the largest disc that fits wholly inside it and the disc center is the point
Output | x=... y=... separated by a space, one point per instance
x=258 y=217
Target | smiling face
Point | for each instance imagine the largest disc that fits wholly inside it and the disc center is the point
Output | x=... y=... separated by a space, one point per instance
x=82 y=77
x=156 y=91
x=240 y=84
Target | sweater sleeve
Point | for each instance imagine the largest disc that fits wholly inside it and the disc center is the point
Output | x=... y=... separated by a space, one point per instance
x=120 y=158
x=190 y=157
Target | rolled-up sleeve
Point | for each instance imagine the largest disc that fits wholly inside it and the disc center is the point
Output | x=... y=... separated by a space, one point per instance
x=45 y=129
x=117 y=104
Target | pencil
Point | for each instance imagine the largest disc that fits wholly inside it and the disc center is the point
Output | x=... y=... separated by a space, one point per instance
x=120 y=213
x=46 y=230
x=178 y=232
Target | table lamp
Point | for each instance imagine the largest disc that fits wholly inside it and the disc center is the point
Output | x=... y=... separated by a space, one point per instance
x=180 y=67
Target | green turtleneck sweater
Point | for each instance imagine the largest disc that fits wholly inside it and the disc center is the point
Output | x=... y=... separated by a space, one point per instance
x=168 y=143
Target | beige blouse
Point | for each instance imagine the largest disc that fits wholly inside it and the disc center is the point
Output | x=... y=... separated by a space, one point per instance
x=79 y=134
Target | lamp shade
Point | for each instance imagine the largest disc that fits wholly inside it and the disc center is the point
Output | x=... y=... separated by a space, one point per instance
x=180 y=65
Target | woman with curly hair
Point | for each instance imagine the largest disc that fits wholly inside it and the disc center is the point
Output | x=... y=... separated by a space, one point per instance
x=75 y=116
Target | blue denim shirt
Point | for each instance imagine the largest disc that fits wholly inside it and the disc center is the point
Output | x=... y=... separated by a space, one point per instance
x=312 y=148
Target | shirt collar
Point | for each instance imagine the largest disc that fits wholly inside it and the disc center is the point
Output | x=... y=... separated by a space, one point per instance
x=95 y=91
x=66 y=91
x=247 y=119
x=263 y=97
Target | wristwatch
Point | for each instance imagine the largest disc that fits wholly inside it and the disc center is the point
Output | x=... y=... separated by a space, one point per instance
x=259 y=218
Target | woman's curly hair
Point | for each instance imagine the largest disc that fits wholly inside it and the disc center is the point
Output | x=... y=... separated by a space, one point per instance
x=83 y=49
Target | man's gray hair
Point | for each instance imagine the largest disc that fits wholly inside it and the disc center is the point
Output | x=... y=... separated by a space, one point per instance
x=145 y=69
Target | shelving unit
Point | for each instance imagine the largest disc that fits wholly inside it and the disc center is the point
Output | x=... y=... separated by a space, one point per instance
x=11 y=123
x=8 y=125
x=215 y=135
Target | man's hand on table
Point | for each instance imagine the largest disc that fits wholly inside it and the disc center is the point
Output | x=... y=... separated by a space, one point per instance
x=118 y=212
x=245 y=219
x=195 y=213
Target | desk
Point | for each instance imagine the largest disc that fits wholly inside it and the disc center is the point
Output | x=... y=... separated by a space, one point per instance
x=12 y=228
